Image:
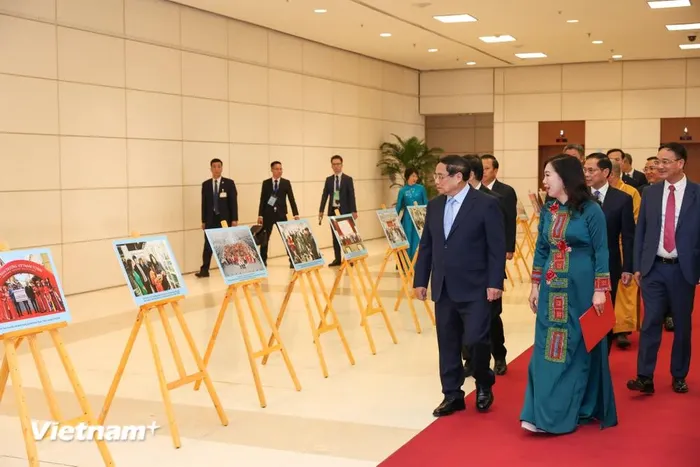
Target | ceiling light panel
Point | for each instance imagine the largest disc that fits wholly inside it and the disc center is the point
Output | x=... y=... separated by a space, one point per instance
x=668 y=4
x=460 y=18
x=527 y=55
x=497 y=39
x=689 y=46
x=683 y=27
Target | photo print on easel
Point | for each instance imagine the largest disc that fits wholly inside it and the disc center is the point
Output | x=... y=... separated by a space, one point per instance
x=300 y=243
x=31 y=294
x=236 y=254
x=345 y=231
x=417 y=214
x=150 y=269
x=393 y=230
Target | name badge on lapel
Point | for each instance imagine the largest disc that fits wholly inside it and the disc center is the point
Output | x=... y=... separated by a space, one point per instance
x=223 y=194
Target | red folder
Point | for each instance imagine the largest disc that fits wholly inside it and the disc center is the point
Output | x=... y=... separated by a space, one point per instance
x=594 y=327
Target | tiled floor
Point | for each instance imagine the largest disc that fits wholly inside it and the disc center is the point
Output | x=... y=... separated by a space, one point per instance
x=356 y=417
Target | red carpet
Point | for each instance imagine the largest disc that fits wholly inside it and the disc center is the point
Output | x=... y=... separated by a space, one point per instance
x=652 y=430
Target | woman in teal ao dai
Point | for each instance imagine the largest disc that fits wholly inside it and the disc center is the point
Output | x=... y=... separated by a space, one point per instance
x=567 y=386
x=409 y=194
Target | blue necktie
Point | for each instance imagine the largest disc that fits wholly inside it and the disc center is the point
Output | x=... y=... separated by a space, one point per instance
x=597 y=195
x=449 y=216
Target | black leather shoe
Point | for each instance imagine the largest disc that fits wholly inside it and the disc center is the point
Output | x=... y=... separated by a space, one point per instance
x=668 y=324
x=334 y=264
x=641 y=384
x=484 y=398
x=449 y=406
x=679 y=385
x=201 y=274
x=500 y=367
x=622 y=341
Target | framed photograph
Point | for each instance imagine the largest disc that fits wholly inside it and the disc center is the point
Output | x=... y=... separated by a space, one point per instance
x=417 y=214
x=349 y=239
x=236 y=254
x=393 y=230
x=300 y=243
x=150 y=269
x=31 y=294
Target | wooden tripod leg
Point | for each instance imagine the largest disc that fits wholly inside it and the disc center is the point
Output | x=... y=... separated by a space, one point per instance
x=45 y=379
x=362 y=309
x=275 y=333
x=214 y=334
x=283 y=309
x=398 y=257
x=20 y=399
x=120 y=369
x=174 y=431
x=171 y=342
x=403 y=256
x=312 y=322
x=249 y=350
x=374 y=295
x=79 y=393
x=200 y=364
x=5 y=370
x=336 y=321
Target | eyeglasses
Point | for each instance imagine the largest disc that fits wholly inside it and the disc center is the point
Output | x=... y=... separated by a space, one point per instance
x=668 y=161
x=439 y=177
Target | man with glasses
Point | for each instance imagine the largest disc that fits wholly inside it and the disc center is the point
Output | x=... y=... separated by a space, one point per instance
x=667 y=264
x=467 y=269
x=339 y=192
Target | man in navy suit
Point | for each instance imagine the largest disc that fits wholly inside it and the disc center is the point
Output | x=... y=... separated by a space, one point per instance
x=667 y=263
x=219 y=203
x=463 y=247
x=619 y=218
x=340 y=188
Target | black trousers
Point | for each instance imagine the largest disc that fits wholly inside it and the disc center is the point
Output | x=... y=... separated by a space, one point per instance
x=206 y=254
x=497 y=334
x=458 y=322
x=269 y=223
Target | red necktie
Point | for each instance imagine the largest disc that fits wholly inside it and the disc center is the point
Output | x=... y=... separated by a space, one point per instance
x=670 y=221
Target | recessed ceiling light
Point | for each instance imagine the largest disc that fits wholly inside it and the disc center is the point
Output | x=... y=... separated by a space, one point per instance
x=471 y=63
x=683 y=27
x=572 y=21
x=617 y=57
x=385 y=34
x=462 y=18
x=432 y=50
x=531 y=55
x=495 y=39
x=320 y=10
x=597 y=42
x=668 y=4
x=689 y=46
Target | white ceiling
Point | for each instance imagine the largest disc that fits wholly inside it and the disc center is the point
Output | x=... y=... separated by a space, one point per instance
x=626 y=27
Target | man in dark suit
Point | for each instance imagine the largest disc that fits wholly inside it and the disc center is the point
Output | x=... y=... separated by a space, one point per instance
x=339 y=192
x=462 y=253
x=667 y=263
x=219 y=203
x=630 y=176
x=273 y=205
x=497 y=335
x=619 y=218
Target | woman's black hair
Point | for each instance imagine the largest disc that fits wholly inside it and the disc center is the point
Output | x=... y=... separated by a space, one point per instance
x=570 y=170
x=408 y=172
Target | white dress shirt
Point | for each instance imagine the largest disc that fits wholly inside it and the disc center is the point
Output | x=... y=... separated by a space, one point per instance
x=490 y=185
x=680 y=191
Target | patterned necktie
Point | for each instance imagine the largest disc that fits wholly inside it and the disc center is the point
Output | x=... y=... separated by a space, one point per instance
x=670 y=221
x=216 y=197
x=448 y=220
x=597 y=195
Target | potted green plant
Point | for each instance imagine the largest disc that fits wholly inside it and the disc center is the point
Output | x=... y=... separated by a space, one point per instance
x=410 y=153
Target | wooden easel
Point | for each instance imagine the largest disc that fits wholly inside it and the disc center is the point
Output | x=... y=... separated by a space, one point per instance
x=232 y=294
x=10 y=368
x=405 y=265
x=357 y=271
x=317 y=329
x=165 y=387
